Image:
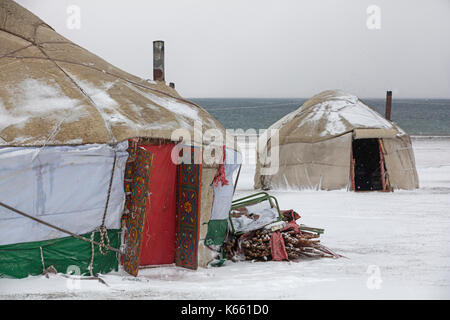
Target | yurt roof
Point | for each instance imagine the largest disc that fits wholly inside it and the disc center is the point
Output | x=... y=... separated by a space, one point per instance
x=54 y=92
x=332 y=113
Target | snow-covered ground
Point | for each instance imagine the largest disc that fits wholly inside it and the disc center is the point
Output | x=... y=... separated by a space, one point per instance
x=397 y=247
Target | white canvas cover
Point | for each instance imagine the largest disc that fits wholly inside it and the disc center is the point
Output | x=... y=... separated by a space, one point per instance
x=223 y=195
x=320 y=165
x=66 y=186
x=400 y=163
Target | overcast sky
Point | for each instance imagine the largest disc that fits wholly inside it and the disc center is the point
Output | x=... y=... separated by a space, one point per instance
x=276 y=48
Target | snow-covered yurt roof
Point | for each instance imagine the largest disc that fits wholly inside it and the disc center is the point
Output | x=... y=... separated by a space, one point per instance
x=54 y=92
x=332 y=113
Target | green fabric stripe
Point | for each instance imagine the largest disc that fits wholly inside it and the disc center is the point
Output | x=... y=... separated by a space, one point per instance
x=23 y=259
x=217 y=231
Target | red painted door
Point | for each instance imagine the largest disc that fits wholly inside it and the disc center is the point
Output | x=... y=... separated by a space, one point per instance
x=158 y=245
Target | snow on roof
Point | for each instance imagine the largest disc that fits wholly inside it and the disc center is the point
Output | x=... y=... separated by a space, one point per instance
x=342 y=111
x=328 y=114
x=33 y=98
x=54 y=92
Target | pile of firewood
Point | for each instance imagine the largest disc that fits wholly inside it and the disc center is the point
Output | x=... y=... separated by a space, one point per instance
x=305 y=245
x=256 y=246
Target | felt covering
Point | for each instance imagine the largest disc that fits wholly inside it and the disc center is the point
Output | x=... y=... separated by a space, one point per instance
x=315 y=142
x=54 y=92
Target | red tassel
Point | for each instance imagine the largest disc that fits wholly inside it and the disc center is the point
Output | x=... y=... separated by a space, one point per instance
x=220 y=175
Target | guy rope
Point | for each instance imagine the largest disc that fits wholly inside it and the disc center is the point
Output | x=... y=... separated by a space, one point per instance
x=58 y=228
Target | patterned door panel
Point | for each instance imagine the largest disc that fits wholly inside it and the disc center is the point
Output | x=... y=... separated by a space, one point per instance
x=188 y=212
x=137 y=178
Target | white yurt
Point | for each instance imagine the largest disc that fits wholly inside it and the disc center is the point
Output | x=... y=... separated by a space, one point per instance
x=335 y=141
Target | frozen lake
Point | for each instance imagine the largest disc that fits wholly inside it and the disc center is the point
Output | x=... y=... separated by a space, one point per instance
x=397 y=247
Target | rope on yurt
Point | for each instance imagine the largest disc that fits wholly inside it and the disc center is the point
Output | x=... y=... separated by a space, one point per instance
x=91 y=263
x=102 y=229
x=237 y=179
x=57 y=228
x=54 y=60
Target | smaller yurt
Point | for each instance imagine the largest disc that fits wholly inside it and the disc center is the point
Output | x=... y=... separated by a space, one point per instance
x=335 y=141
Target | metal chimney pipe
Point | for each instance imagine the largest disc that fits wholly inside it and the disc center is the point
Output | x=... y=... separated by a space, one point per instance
x=388 y=104
x=158 y=60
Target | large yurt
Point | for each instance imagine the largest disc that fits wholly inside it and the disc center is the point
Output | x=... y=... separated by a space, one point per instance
x=88 y=180
x=336 y=141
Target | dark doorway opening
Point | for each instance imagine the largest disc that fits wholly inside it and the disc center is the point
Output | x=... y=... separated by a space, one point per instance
x=367 y=165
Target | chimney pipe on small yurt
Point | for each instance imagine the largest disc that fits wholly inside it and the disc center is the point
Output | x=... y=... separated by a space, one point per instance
x=158 y=60
x=388 y=104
